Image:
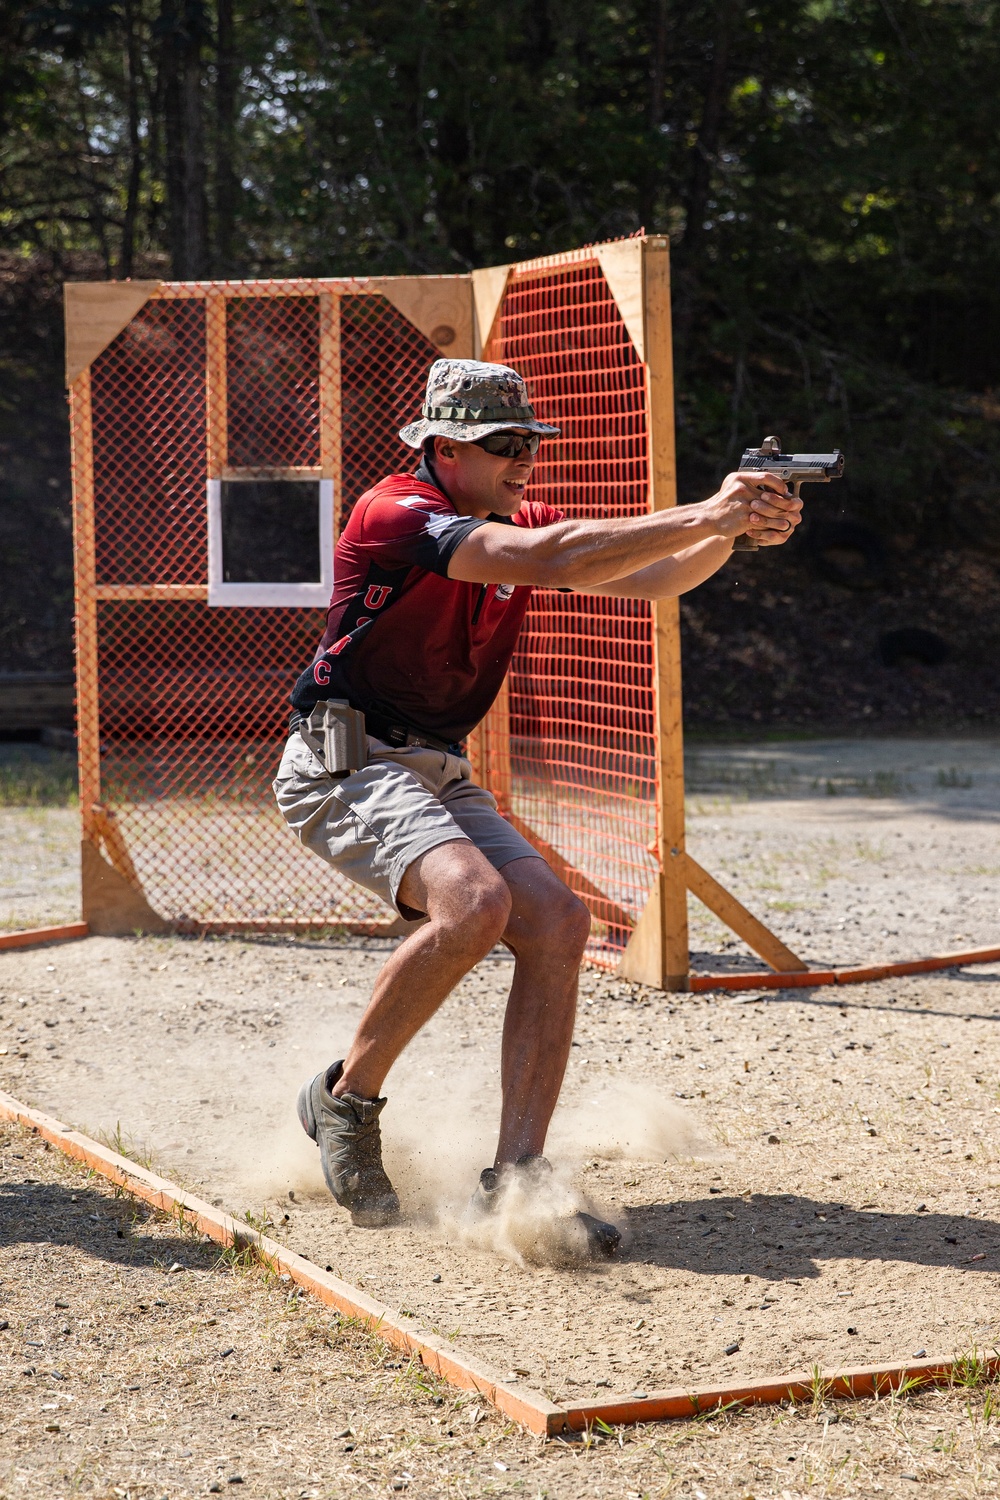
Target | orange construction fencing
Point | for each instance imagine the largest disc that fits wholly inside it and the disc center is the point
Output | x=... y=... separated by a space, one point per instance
x=571 y=746
x=200 y=410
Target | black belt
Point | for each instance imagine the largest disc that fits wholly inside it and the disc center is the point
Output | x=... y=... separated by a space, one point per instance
x=395 y=734
x=399 y=735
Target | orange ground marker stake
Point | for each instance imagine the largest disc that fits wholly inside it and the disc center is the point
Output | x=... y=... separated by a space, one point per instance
x=35 y=937
x=456 y=1366
x=814 y=977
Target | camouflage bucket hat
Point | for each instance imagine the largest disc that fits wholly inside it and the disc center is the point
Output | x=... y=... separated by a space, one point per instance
x=467 y=399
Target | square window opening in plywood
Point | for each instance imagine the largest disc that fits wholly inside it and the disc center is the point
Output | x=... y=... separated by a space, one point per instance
x=270 y=541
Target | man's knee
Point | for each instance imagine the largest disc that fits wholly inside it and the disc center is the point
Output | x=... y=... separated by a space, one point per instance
x=469 y=897
x=484 y=907
x=573 y=920
x=558 y=921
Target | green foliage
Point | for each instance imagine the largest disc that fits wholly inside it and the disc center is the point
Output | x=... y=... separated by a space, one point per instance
x=33 y=777
x=828 y=172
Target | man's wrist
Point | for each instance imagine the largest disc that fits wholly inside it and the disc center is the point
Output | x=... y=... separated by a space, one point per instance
x=710 y=518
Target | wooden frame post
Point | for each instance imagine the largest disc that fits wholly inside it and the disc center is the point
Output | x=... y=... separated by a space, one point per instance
x=658 y=337
x=330 y=438
x=657 y=953
x=88 y=732
x=216 y=392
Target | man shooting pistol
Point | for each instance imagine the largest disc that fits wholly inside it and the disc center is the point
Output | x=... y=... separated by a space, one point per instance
x=795 y=469
x=433 y=575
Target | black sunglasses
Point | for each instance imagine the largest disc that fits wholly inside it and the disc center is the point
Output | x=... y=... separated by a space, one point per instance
x=509 y=444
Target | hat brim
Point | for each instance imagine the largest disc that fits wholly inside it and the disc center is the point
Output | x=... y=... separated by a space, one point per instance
x=467 y=432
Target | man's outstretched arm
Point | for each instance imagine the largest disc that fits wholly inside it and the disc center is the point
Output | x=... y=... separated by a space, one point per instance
x=589 y=554
x=671 y=577
x=685 y=570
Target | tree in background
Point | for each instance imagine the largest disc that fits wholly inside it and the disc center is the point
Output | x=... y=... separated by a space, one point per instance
x=827 y=170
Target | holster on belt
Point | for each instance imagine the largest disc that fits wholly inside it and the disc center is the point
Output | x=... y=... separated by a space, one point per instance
x=335 y=733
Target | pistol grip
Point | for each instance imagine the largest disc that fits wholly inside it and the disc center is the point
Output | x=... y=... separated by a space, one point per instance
x=748 y=543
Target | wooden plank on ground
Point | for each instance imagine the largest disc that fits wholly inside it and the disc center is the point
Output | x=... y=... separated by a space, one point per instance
x=40 y=937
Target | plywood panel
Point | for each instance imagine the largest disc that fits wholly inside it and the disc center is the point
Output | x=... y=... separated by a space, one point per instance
x=440 y=306
x=621 y=262
x=96 y=313
x=488 y=287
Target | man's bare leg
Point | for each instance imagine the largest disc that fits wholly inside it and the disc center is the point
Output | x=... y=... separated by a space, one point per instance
x=468 y=907
x=547 y=932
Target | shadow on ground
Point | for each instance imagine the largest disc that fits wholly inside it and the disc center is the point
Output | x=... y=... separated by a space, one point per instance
x=121 y=1232
x=782 y=1238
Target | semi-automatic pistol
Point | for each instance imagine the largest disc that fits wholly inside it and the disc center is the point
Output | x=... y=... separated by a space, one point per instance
x=795 y=469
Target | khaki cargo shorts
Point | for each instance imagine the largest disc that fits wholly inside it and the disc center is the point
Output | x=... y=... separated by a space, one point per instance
x=372 y=824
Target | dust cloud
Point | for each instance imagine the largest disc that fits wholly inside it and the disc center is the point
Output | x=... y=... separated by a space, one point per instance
x=439 y=1132
x=623 y=1120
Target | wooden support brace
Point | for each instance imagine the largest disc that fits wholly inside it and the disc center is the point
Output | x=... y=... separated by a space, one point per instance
x=114 y=901
x=745 y=925
x=114 y=843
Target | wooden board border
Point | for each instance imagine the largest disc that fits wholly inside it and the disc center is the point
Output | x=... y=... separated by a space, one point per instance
x=456 y=1366
x=861 y=974
x=39 y=937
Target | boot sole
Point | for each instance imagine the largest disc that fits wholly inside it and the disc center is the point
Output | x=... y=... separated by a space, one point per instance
x=306 y=1113
x=603 y=1239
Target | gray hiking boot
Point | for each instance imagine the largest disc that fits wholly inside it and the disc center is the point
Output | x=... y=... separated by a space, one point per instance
x=346 y=1130
x=596 y=1239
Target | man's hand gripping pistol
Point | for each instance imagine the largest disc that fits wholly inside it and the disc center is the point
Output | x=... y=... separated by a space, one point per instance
x=795 y=469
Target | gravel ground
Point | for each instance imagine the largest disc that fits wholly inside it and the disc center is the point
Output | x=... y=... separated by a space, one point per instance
x=808 y=1175
x=853 y=851
x=39 y=867
x=134 y=1362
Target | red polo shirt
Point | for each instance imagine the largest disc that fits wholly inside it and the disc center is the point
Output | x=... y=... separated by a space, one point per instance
x=403 y=640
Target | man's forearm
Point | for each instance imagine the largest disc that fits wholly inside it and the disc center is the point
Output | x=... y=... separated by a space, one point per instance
x=586 y=553
x=609 y=551
x=589 y=554
x=674 y=575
